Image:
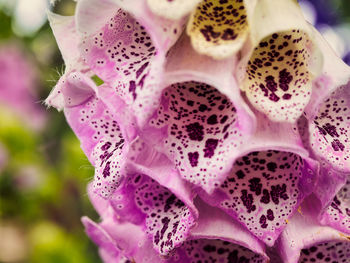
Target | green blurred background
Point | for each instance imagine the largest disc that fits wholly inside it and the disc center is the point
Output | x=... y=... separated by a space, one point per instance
x=43 y=180
x=43 y=183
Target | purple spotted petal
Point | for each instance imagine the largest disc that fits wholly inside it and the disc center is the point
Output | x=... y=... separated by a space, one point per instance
x=329 y=182
x=198 y=128
x=71 y=90
x=264 y=190
x=330 y=129
x=265 y=187
x=219 y=134
x=102 y=141
x=277 y=68
x=337 y=214
x=144 y=159
x=166 y=218
x=303 y=241
x=218 y=238
x=129 y=56
x=328 y=112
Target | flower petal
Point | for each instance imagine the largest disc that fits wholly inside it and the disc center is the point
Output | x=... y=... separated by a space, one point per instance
x=174 y=9
x=67 y=38
x=337 y=214
x=101 y=238
x=314 y=243
x=102 y=141
x=279 y=70
x=218 y=28
x=263 y=191
x=120 y=53
x=167 y=219
x=92 y=15
x=328 y=113
x=329 y=182
x=330 y=129
x=144 y=159
x=129 y=53
x=199 y=130
x=218 y=238
x=130 y=239
x=215 y=250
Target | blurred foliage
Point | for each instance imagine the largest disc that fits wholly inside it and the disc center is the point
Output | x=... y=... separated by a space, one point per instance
x=43 y=186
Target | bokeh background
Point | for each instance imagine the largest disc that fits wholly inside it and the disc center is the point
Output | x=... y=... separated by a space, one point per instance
x=43 y=172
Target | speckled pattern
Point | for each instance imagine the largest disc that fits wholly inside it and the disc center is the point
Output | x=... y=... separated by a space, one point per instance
x=103 y=142
x=217 y=251
x=218 y=22
x=120 y=53
x=202 y=131
x=332 y=252
x=278 y=82
x=330 y=130
x=168 y=220
x=262 y=191
x=338 y=213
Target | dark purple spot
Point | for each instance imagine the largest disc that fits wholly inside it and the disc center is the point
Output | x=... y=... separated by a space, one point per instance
x=240 y=174
x=278 y=192
x=271 y=167
x=210 y=146
x=195 y=131
x=270 y=215
x=212 y=120
x=337 y=145
x=255 y=185
x=106 y=170
x=193 y=158
x=265 y=199
x=247 y=200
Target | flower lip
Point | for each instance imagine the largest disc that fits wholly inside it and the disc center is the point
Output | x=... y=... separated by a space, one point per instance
x=264 y=189
x=278 y=81
x=283 y=43
x=199 y=130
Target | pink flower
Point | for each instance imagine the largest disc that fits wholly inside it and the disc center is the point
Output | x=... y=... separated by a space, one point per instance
x=213 y=125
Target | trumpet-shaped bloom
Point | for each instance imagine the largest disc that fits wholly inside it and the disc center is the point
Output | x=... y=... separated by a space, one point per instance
x=220 y=127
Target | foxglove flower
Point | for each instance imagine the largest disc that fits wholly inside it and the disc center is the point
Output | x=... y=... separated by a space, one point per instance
x=216 y=121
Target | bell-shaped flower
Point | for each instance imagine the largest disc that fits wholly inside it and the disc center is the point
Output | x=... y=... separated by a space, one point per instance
x=268 y=181
x=280 y=62
x=328 y=112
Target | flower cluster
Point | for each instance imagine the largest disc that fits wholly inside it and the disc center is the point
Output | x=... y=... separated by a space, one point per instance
x=219 y=130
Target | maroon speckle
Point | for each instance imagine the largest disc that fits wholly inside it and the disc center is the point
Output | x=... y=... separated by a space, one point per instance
x=247 y=200
x=195 y=131
x=210 y=146
x=193 y=158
